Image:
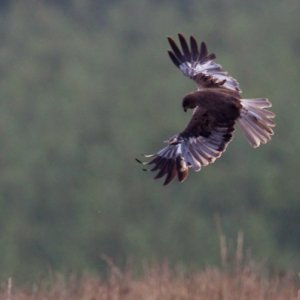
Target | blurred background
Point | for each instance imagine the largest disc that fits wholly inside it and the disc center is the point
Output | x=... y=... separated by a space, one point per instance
x=86 y=86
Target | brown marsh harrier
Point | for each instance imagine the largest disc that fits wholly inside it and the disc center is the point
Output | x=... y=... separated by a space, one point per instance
x=217 y=105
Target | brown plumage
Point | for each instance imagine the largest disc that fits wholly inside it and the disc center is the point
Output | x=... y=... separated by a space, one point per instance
x=217 y=106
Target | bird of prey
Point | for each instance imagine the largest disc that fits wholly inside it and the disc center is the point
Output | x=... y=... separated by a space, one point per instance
x=217 y=106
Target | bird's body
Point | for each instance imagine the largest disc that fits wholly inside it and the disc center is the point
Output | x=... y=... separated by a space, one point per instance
x=212 y=107
x=218 y=103
x=217 y=106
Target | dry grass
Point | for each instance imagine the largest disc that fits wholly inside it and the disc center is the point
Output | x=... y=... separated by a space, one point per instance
x=236 y=280
x=160 y=283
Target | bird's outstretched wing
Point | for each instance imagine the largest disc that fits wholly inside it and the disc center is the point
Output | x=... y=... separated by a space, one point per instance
x=195 y=62
x=200 y=144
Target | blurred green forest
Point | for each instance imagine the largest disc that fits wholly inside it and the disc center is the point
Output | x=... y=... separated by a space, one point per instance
x=86 y=86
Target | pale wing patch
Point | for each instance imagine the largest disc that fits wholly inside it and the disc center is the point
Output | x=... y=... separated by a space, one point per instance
x=183 y=153
x=195 y=62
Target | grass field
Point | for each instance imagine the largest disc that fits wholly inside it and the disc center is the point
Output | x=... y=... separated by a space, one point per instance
x=160 y=283
x=239 y=278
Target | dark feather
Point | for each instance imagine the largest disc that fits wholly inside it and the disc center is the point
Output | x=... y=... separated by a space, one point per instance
x=194 y=48
x=174 y=59
x=159 y=163
x=185 y=47
x=203 y=52
x=176 y=50
x=211 y=56
x=163 y=169
x=171 y=172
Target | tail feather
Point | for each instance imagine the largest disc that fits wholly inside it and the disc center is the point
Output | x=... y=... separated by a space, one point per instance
x=256 y=121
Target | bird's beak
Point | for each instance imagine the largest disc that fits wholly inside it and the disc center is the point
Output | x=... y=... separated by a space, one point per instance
x=185 y=110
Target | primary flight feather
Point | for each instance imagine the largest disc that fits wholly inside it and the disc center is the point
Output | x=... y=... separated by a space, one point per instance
x=217 y=106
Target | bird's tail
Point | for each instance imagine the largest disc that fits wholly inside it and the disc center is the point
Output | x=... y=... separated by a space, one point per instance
x=256 y=121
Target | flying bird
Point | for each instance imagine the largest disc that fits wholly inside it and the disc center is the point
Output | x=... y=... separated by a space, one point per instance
x=217 y=106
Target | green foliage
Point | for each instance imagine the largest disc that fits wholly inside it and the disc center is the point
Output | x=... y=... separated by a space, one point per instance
x=85 y=87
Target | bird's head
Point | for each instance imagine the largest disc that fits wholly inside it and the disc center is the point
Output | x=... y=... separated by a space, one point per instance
x=189 y=102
